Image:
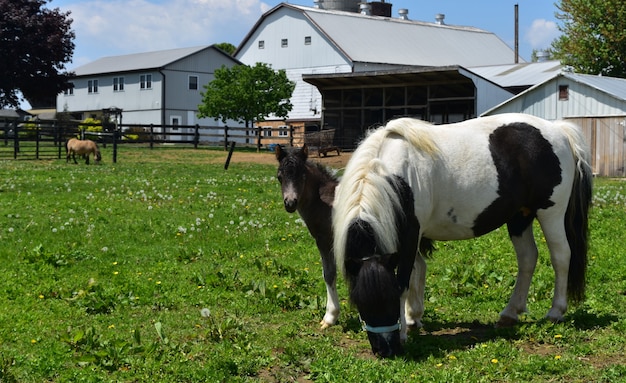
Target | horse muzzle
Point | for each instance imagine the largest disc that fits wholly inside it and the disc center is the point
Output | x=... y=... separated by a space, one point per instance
x=290 y=205
x=385 y=344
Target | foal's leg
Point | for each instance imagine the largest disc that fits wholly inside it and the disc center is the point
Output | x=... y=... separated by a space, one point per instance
x=560 y=253
x=527 y=254
x=329 y=267
x=414 y=305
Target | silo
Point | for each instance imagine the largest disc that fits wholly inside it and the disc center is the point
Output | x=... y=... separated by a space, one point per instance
x=342 y=5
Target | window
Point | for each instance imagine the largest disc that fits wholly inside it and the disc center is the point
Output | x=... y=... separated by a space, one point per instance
x=267 y=131
x=284 y=131
x=193 y=82
x=69 y=91
x=284 y=43
x=175 y=122
x=563 y=92
x=92 y=86
x=307 y=40
x=145 y=81
x=118 y=84
x=261 y=44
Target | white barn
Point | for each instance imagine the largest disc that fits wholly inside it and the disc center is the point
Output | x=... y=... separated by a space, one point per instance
x=318 y=41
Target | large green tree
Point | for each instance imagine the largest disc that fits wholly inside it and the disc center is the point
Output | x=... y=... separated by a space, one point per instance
x=594 y=36
x=247 y=94
x=35 y=45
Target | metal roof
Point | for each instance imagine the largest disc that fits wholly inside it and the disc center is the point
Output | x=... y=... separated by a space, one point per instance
x=612 y=86
x=408 y=76
x=136 y=61
x=391 y=40
x=519 y=75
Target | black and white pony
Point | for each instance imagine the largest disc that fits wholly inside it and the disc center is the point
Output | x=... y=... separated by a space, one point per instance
x=409 y=183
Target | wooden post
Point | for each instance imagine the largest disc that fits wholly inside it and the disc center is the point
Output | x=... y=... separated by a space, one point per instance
x=151 y=136
x=196 y=137
x=258 y=138
x=16 y=141
x=225 y=137
x=115 y=137
x=230 y=154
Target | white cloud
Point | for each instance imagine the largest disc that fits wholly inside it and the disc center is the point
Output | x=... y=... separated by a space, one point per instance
x=115 y=27
x=541 y=33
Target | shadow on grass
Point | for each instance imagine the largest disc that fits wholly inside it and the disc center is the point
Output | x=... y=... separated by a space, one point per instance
x=440 y=338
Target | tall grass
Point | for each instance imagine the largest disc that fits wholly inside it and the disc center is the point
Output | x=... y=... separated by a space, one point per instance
x=166 y=268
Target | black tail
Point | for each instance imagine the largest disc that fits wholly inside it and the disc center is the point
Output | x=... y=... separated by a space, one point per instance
x=576 y=228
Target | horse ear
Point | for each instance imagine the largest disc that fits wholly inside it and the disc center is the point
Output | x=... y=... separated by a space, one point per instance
x=305 y=151
x=280 y=153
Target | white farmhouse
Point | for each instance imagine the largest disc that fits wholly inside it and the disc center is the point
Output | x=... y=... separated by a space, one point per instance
x=161 y=87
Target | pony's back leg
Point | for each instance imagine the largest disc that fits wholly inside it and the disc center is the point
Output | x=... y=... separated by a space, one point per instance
x=556 y=238
x=527 y=253
x=329 y=268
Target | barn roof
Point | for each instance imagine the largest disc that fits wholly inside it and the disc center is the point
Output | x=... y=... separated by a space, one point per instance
x=521 y=75
x=613 y=86
x=391 y=40
x=136 y=61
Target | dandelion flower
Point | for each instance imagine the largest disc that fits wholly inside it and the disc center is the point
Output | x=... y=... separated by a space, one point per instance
x=558 y=336
x=494 y=361
x=557 y=357
x=205 y=312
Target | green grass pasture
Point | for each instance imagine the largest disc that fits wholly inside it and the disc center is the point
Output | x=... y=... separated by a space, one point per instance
x=166 y=268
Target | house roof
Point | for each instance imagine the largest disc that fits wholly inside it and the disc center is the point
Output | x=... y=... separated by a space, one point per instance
x=389 y=40
x=13 y=113
x=137 y=61
x=519 y=75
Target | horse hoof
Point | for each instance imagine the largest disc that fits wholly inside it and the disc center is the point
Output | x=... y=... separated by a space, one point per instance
x=324 y=325
x=505 y=322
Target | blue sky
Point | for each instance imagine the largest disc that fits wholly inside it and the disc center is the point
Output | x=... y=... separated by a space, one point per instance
x=116 y=27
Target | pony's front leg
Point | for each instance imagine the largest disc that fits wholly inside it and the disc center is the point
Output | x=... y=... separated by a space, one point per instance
x=414 y=305
x=329 y=269
x=527 y=254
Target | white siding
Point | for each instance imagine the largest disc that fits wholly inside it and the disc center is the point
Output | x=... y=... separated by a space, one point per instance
x=293 y=26
x=298 y=58
x=543 y=101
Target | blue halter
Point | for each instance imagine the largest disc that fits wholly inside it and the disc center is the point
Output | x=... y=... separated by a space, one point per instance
x=382 y=329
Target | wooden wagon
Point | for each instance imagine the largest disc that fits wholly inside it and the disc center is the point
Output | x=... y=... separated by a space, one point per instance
x=322 y=141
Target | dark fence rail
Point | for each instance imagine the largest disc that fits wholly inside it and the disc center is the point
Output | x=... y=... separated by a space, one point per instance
x=45 y=139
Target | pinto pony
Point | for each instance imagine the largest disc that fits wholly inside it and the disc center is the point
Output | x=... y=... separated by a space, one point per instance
x=309 y=188
x=74 y=146
x=410 y=183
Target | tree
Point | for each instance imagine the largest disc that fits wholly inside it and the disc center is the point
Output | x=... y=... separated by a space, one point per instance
x=247 y=94
x=594 y=36
x=227 y=47
x=35 y=45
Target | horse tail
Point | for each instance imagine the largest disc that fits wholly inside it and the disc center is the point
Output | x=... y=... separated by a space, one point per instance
x=576 y=216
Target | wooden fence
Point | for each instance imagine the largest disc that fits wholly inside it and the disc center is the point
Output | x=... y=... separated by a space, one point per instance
x=45 y=139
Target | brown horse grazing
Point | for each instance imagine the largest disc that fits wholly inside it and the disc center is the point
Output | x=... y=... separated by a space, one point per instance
x=309 y=188
x=74 y=146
